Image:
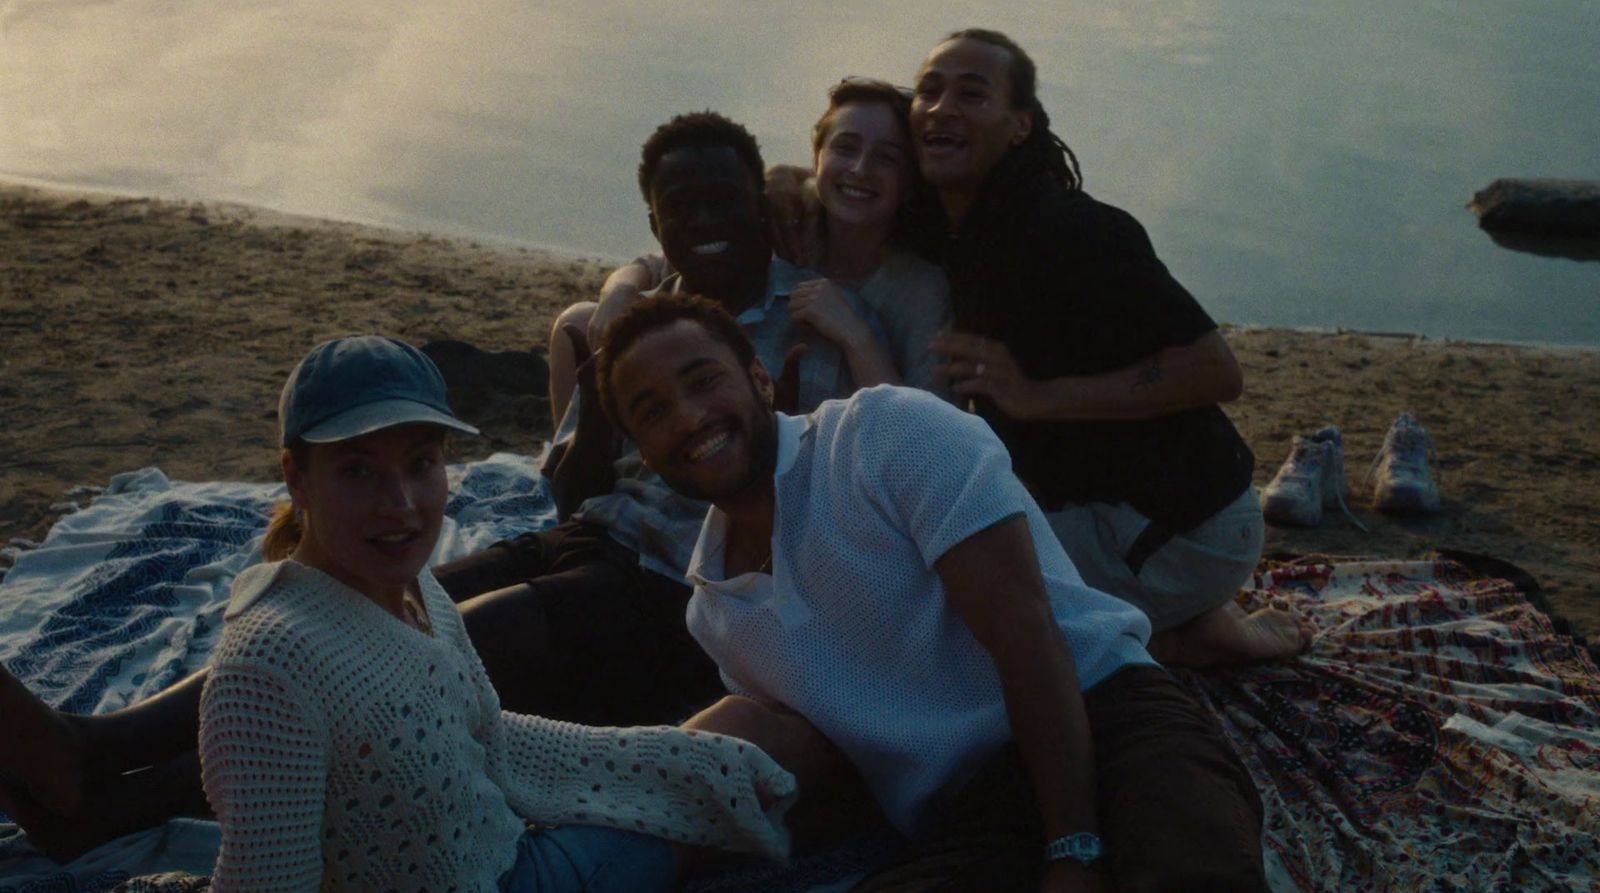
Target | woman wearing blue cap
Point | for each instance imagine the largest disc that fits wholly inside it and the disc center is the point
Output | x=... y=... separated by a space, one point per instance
x=349 y=737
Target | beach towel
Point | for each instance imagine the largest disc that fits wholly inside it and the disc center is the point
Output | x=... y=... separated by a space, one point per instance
x=1440 y=736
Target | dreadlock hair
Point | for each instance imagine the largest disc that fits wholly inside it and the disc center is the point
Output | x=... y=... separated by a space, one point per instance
x=1042 y=151
x=656 y=312
x=698 y=129
x=991 y=225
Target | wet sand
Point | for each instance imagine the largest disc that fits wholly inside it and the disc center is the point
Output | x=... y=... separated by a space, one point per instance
x=140 y=332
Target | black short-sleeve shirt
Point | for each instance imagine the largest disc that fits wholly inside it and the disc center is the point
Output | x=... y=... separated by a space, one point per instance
x=1074 y=287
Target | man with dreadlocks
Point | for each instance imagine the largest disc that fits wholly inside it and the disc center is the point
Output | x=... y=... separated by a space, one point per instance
x=1097 y=369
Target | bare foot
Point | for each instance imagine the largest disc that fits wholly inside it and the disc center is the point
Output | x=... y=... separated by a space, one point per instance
x=42 y=753
x=1226 y=635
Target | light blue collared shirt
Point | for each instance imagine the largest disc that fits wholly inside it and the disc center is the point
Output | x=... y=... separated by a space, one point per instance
x=641 y=511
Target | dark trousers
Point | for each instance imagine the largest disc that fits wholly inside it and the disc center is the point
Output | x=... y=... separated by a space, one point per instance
x=1178 y=811
x=570 y=627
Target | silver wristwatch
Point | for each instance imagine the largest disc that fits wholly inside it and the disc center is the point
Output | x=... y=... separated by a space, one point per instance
x=1082 y=847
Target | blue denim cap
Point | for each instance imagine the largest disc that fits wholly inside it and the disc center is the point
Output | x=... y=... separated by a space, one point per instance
x=348 y=387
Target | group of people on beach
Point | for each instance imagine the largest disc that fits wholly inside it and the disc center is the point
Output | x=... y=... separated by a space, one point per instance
x=894 y=526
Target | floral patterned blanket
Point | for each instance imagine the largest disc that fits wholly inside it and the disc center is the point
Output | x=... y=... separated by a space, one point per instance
x=1440 y=736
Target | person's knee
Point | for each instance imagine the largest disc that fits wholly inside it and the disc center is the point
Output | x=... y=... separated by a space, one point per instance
x=786 y=736
x=501 y=564
x=737 y=716
x=578 y=315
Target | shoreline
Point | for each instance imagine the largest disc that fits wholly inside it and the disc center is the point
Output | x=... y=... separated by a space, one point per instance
x=1333 y=331
x=137 y=331
x=264 y=215
x=267 y=216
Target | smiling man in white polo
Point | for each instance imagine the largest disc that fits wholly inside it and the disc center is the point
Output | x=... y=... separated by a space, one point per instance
x=877 y=569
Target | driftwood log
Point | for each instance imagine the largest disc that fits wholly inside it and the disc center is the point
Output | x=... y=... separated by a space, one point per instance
x=1551 y=207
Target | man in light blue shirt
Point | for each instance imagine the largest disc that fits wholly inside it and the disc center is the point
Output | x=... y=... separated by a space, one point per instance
x=584 y=621
x=643 y=513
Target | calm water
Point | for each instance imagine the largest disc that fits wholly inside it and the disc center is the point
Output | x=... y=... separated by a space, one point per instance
x=1301 y=164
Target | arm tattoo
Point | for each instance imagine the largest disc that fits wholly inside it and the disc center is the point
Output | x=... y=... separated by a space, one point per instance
x=1147 y=375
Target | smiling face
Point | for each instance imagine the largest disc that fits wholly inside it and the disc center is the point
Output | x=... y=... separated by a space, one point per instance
x=962 y=121
x=705 y=208
x=372 y=506
x=864 y=165
x=700 y=419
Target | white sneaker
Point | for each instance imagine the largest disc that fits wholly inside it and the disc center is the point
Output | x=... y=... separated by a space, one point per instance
x=1402 y=481
x=1311 y=479
x=1333 y=486
x=1296 y=494
x=1334 y=492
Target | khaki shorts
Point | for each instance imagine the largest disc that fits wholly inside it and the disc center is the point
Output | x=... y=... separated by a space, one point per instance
x=1184 y=577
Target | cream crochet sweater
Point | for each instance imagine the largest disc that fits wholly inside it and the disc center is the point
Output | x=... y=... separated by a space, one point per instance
x=345 y=750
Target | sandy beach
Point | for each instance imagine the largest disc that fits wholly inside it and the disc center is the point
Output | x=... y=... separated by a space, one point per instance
x=139 y=332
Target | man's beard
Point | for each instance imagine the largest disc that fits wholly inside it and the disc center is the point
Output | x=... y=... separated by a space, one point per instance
x=761 y=428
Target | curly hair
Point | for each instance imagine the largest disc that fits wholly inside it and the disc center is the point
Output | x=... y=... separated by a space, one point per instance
x=696 y=129
x=657 y=312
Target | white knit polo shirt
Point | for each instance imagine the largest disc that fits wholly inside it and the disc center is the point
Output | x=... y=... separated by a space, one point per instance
x=345 y=750
x=853 y=629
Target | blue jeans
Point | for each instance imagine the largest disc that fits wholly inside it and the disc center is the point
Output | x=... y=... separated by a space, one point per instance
x=590 y=859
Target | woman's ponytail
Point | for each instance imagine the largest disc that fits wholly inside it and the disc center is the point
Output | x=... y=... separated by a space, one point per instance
x=283 y=533
x=285 y=529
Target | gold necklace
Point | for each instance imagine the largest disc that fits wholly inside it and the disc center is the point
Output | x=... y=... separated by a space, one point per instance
x=416 y=614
